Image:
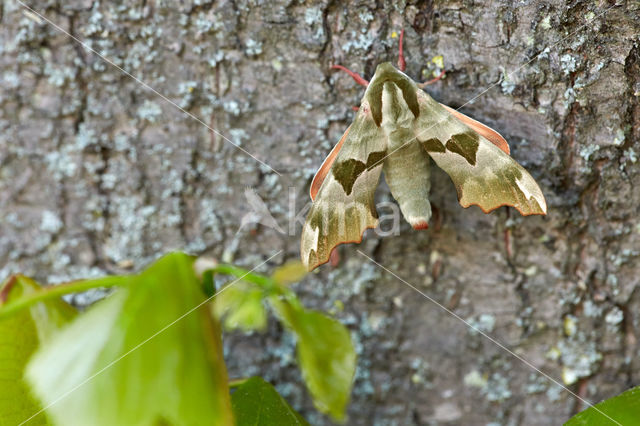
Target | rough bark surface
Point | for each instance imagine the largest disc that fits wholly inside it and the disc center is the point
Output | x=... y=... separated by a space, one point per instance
x=98 y=174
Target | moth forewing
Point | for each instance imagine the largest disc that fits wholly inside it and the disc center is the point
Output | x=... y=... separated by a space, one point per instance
x=501 y=181
x=343 y=208
x=336 y=218
x=483 y=174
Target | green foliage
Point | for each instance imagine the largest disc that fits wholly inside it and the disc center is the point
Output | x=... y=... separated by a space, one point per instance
x=239 y=306
x=326 y=356
x=289 y=273
x=151 y=352
x=39 y=294
x=256 y=402
x=145 y=355
x=20 y=336
x=624 y=409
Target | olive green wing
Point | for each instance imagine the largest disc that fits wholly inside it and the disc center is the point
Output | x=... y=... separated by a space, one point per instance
x=343 y=207
x=483 y=174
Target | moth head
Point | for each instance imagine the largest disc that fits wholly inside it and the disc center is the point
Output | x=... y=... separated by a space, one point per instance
x=386 y=72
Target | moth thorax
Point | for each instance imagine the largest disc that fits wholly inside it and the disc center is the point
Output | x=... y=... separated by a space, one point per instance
x=395 y=111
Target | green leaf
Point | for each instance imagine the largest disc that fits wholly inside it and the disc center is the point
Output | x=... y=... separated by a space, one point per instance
x=149 y=354
x=326 y=356
x=54 y=292
x=239 y=306
x=289 y=273
x=257 y=403
x=20 y=336
x=624 y=409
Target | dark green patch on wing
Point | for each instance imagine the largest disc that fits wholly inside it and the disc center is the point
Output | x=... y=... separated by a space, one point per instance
x=349 y=170
x=434 y=145
x=409 y=94
x=374 y=97
x=465 y=144
x=375 y=158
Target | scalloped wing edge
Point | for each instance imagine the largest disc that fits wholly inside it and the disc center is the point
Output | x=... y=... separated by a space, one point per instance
x=311 y=267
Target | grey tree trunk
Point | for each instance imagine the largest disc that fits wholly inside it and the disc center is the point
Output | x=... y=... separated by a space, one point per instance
x=99 y=174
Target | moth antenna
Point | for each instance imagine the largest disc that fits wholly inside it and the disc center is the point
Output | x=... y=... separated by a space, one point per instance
x=402 y=64
x=433 y=80
x=361 y=81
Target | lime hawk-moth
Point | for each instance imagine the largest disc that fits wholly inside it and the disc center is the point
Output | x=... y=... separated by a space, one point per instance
x=397 y=129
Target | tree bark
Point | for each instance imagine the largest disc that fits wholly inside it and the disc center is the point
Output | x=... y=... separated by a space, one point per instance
x=99 y=174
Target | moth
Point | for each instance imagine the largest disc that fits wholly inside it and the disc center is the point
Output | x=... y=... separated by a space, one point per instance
x=399 y=129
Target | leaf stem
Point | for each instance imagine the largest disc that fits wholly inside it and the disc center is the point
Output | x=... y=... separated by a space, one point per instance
x=244 y=275
x=55 y=291
x=266 y=283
